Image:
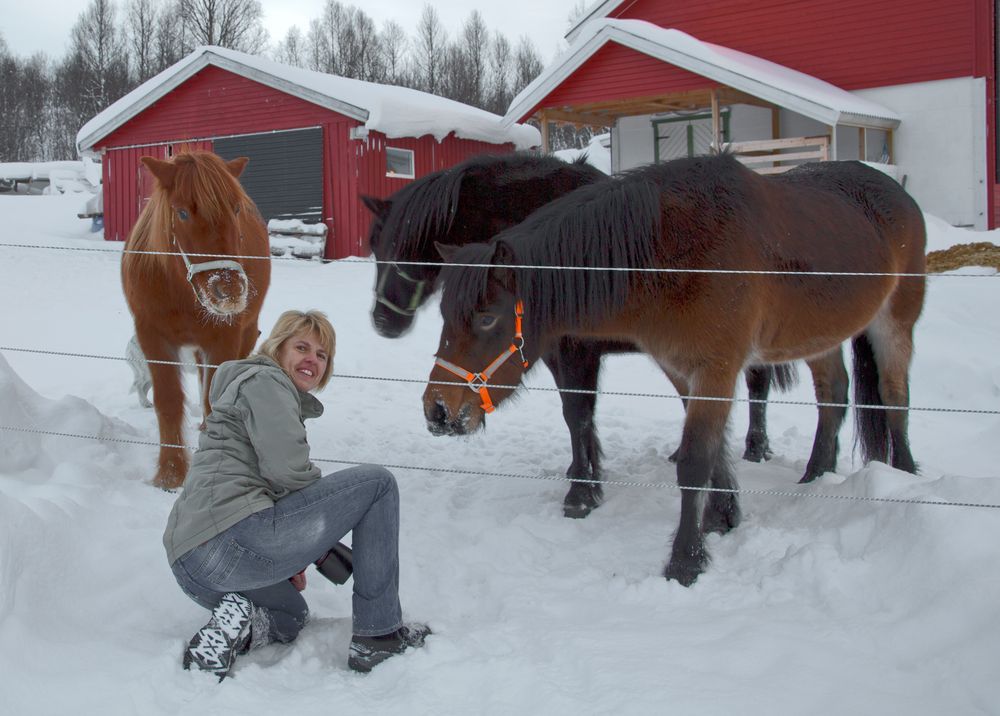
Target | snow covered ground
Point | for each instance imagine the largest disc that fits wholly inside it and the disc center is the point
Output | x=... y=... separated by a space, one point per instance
x=811 y=606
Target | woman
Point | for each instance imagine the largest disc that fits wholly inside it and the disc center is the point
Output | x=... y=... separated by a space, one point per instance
x=255 y=511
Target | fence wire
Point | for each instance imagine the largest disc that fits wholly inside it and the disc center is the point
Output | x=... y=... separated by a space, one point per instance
x=544 y=478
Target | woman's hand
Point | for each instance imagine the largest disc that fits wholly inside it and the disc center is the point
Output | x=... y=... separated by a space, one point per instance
x=298 y=580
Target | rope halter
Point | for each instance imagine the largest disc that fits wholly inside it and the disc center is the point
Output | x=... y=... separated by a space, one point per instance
x=202 y=266
x=477 y=381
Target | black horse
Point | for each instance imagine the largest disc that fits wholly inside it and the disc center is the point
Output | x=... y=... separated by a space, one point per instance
x=475 y=200
x=849 y=224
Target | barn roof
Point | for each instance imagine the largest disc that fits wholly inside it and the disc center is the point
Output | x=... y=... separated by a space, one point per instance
x=393 y=111
x=774 y=83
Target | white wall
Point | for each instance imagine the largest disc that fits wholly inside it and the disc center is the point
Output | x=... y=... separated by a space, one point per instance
x=940 y=146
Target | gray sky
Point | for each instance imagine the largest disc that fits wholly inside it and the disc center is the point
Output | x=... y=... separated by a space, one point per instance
x=30 y=26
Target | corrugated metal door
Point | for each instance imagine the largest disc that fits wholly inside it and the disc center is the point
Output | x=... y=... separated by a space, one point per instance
x=285 y=173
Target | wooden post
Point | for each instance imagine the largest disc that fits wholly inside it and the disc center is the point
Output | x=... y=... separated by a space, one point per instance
x=544 y=121
x=888 y=143
x=716 y=122
x=775 y=123
x=862 y=144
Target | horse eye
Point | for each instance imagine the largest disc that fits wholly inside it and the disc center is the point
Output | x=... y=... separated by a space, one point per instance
x=485 y=321
x=184 y=216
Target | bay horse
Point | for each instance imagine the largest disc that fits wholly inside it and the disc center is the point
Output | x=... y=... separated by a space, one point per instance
x=210 y=304
x=476 y=199
x=690 y=218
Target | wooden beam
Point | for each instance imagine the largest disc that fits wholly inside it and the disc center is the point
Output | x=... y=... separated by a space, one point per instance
x=591 y=120
x=716 y=123
x=544 y=121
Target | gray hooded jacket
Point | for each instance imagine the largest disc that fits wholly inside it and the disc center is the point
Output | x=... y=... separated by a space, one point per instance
x=252 y=452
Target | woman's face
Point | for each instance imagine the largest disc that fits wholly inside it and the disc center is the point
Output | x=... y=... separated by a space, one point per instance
x=304 y=358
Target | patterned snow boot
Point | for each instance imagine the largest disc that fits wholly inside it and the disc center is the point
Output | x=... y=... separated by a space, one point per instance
x=216 y=645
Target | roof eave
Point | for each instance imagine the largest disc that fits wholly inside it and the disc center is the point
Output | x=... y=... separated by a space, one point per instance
x=807 y=107
x=601 y=9
x=200 y=62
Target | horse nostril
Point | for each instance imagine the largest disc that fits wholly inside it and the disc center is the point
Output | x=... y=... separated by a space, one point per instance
x=439 y=414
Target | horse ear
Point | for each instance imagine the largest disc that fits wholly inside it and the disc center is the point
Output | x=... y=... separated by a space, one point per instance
x=237 y=165
x=378 y=207
x=503 y=256
x=446 y=251
x=163 y=171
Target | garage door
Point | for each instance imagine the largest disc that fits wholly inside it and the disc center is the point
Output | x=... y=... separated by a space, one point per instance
x=285 y=173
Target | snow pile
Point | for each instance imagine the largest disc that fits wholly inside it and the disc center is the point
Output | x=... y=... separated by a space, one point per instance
x=825 y=600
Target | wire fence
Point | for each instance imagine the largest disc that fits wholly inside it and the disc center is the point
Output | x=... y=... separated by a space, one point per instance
x=439 y=264
x=508 y=475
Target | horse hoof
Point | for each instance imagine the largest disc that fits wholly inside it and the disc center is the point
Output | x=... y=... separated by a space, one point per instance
x=757 y=453
x=722 y=519
x=577 y=511
x=673 y=455
x=686 y=574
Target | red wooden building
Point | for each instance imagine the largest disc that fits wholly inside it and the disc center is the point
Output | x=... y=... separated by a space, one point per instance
x=316 y=142
x=929 y=65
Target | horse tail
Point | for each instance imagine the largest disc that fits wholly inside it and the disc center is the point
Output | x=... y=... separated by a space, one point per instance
x=871 y=424
x=783 y=376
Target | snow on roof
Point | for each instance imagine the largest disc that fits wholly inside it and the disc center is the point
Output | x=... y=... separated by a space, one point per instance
x=393 y=111
x=780 y=85
x=601 y=8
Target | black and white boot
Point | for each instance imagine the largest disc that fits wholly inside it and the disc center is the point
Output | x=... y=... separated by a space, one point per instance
x=216 y=645
x=369 y=651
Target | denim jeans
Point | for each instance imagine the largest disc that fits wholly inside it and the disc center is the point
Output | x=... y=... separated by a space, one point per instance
x=258 y=554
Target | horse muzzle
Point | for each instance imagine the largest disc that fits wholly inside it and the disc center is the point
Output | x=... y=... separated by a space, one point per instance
x=390 y=324
x=224 y=292
x=442 y=421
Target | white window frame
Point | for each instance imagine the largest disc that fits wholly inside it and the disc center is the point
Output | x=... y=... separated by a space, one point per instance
x=400 y=153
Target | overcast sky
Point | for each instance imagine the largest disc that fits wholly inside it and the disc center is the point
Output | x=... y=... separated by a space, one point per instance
x=30 y=26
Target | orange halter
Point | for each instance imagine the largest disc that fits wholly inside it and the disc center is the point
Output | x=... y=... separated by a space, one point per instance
x=477 y=381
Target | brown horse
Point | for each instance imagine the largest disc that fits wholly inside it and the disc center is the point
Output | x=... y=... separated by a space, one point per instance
x=687 y=220
x=209 y=303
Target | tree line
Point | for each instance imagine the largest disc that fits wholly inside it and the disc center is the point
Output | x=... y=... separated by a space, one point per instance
x=114 y=47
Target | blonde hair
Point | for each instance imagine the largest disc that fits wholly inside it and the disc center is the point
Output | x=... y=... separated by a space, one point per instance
x=295 y=323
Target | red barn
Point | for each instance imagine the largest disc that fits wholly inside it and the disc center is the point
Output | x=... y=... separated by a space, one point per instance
x=909 y=85
x=316 y=141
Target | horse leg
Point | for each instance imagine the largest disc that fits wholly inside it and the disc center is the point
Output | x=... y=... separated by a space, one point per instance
x=831 y=382
x=758 y=387
x=202 y=359
x=168 y=401
x=681 y=386
x=893 y=350
x=702 y=456
x=576 y=365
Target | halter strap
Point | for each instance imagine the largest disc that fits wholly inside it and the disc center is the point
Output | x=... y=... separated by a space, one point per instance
x=201 y=266
x=411 y=308
x=477 y=381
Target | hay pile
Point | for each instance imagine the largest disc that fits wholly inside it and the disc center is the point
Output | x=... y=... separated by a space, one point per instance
x=982 y=253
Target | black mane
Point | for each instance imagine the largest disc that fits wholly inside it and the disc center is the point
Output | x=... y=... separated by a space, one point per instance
x=425 y=210
x=615 y=223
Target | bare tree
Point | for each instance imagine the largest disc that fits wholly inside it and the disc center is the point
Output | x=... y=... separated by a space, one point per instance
x=429 y=50
x=95 y=71
x=169 y=38
x=393 y=45
x=527 y=64
x=24 y=98
x=467 y=62
x=235 y=24
x=140 y=38
x=292 y=50
x=499 y=93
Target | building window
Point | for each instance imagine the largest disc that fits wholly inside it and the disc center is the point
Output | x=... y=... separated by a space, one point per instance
x=399 y=163
x=685 y=135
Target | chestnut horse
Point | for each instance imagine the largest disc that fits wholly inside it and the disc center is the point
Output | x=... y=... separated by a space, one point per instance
x=209 y=303
x=687 y=220
x=476 y=199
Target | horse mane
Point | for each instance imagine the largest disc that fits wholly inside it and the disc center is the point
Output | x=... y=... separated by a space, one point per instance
x=615 y=223
x=203 y=182
x=424 y=210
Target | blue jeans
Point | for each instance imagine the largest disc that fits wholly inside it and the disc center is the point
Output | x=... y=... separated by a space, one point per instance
x=258 y=554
